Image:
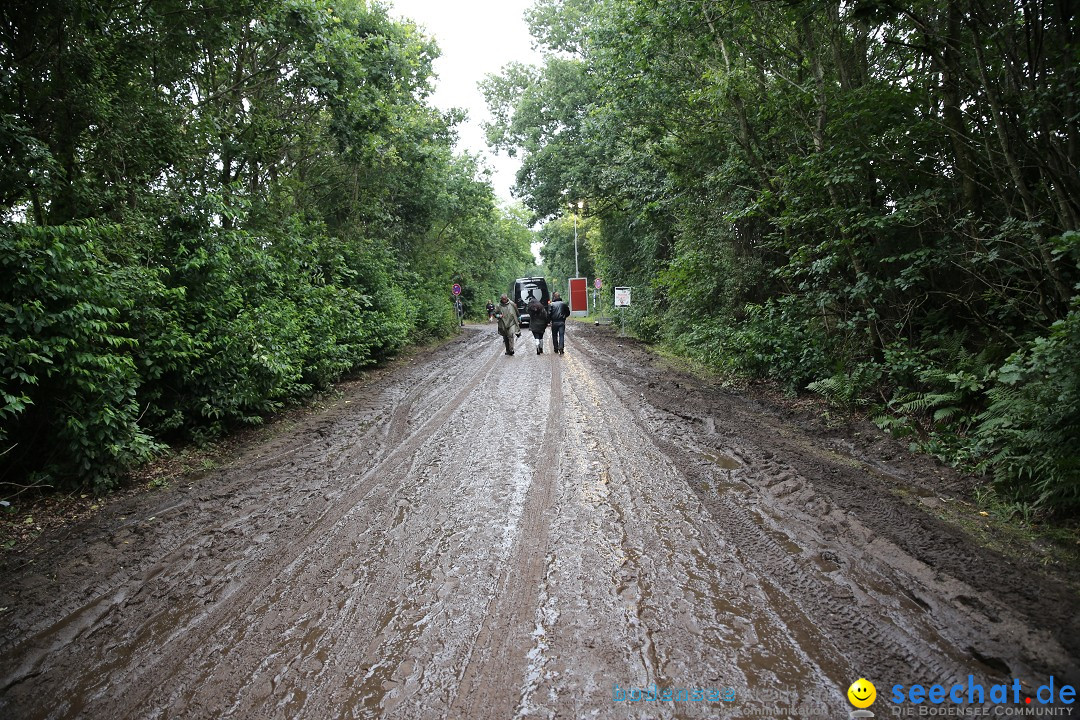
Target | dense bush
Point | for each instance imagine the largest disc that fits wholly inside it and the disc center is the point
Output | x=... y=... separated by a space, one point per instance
x=1029 y=432
x=68 y=374
x=768 y=341
x=100 y=357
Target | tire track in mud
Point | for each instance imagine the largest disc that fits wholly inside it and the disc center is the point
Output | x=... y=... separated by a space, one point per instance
x=638 y=585
x=897 y=590
x=897 y=563
x=308 y=544
x=413 y=554
x=499 y=653
x=823 y=595
x=357 y=425
x=184 y=624
x=692 y=614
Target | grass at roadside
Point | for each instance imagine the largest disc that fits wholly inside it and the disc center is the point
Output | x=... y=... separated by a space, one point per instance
x=1011 y=530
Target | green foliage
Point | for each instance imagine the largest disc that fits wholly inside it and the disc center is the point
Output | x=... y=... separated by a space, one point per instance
x=769 y=341
x=67 y=377
x=557 y=250
x=819 y=193
x=1029 y=431
x=774 y=341
x=851 y=389
x=938 y=390
x=208 y=212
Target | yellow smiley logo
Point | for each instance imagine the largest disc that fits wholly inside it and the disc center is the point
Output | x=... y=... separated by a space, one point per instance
x=862 y=693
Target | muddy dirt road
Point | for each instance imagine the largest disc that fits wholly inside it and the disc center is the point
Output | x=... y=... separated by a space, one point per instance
x=469 y=535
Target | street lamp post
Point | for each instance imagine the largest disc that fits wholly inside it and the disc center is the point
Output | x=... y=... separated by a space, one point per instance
x=580 y=205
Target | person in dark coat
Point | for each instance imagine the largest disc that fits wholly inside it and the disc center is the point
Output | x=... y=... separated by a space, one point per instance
x=538 y=322
x=557 y=313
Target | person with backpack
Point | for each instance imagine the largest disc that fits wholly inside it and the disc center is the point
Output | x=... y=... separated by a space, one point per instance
x=538 y=322
x=557 y=313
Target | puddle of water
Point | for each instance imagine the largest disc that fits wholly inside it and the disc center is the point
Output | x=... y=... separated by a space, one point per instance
x=783 y=540
x=921 y=492
x=722 y=461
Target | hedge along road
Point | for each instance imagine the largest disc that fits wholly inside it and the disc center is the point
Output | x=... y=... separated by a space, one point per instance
x=470 y=535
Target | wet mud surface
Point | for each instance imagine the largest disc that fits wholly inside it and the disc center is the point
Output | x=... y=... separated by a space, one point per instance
x=472 y=535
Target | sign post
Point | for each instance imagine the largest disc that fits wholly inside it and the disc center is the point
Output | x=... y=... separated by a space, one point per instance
x=459 y=309
x=622 y=300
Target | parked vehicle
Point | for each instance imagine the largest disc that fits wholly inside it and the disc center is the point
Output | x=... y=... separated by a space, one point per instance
x=524 y=291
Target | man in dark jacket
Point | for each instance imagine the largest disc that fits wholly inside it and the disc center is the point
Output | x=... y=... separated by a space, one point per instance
x=538 y=322
x=557 y=313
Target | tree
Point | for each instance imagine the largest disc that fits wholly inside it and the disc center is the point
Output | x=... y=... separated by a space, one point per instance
x=878 y=196
x=211 y=209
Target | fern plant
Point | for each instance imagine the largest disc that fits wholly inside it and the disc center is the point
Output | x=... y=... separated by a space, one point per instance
x=849 y=390
x=1028 y=434
x=950 y=385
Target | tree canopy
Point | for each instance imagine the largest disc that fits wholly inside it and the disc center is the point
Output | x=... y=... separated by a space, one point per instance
x=875 y=200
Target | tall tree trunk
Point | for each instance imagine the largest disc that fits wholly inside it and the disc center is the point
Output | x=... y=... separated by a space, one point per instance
x=1061 y=288
x=951 y=69
x=744 y=135
x=814 y=53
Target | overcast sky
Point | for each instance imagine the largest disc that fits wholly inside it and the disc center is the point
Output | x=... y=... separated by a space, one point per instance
x=476 y=37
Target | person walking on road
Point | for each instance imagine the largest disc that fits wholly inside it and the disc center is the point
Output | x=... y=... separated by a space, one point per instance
x=491 y=310
x=509 y=325
x=459 y=310
x=538 y=322
x=558 y=312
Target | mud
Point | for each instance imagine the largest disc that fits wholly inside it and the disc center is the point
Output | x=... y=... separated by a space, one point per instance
x=470 y=535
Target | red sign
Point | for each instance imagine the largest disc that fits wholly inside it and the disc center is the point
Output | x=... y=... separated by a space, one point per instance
x=579 y=295
x=597 y=284
x=457 y=289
